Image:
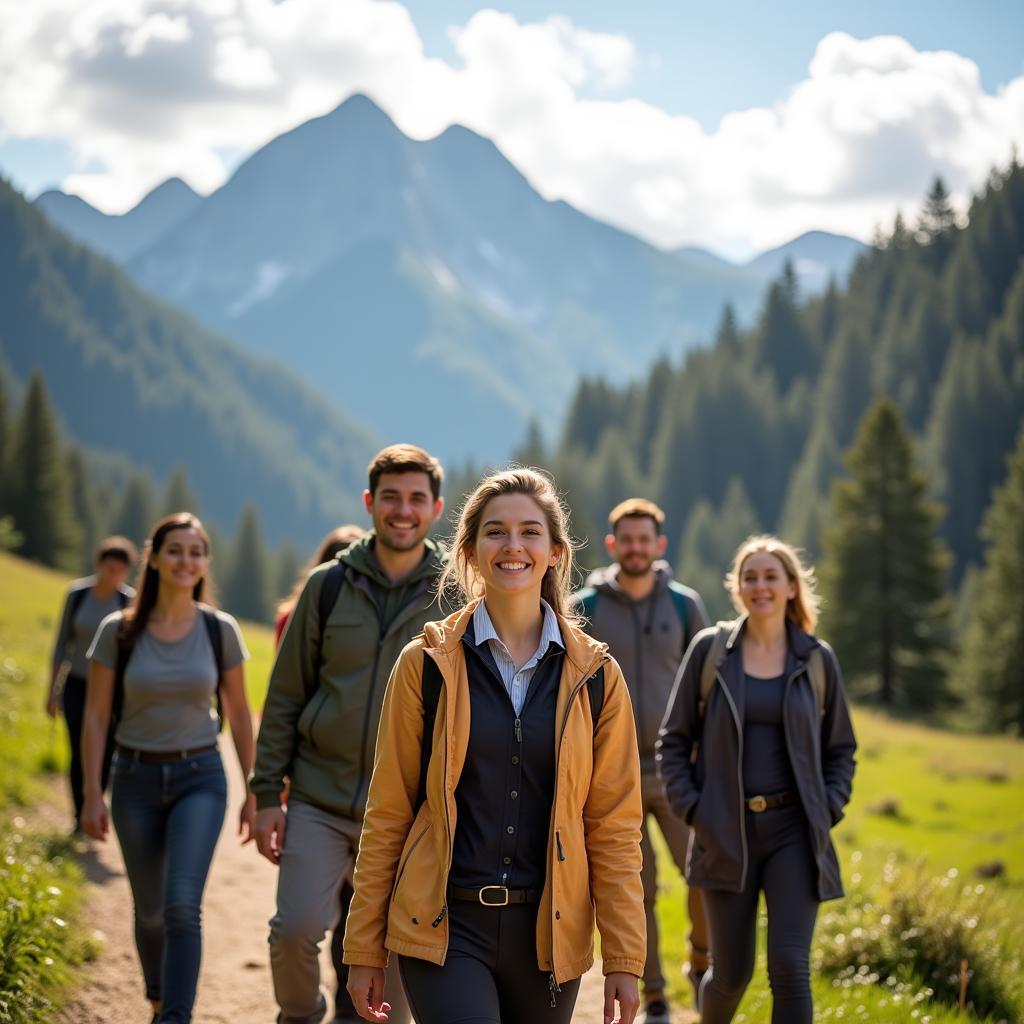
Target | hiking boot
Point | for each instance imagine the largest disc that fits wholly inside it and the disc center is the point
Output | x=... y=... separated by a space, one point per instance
x=657 y=1012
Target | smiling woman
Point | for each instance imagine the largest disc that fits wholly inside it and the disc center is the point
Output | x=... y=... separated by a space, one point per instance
x=154 y=670
x=493 y=906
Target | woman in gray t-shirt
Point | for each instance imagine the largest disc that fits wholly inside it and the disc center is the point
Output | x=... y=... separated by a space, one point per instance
x=174 y=654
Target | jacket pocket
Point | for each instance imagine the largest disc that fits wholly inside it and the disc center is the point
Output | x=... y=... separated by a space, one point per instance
x=311 y=712
x=411 y=846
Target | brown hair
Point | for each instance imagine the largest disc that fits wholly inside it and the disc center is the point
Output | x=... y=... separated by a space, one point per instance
x=802 y=607
x=137 y=614
x=119 y=548
x=636 y=508
x=461 y=578
x=405 y=458
x=330 y=547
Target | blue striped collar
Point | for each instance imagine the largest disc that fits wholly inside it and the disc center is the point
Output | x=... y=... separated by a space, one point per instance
x=483 y=628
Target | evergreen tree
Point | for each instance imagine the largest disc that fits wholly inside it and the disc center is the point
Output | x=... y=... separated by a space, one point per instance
x=991 y=666
x=286 y=570
x=805 y=511
x=178 y=495
x=884 y=574
x=532 y=452
x=247 y=587
x=781 y=341
x=901 y=236
x=937 y=217
x=727 y=337
x=84 y=506
x=40 y=501
x=135 y=514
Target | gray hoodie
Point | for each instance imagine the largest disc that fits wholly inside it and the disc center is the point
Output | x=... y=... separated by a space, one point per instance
x=647 y=638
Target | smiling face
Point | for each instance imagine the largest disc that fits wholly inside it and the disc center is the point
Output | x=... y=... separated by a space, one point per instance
x=513 y=547
x=182 y=560
x=635 y=544
x=112 y=571
x=402 y=508
x=764 y=587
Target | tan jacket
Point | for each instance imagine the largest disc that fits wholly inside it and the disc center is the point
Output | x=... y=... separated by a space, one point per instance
x=401 y=873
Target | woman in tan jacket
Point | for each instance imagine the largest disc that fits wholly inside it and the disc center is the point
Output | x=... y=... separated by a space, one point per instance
x=504 y=809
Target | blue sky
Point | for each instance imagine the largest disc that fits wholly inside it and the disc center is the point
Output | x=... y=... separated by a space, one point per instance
x=733 y=126
x=707 y=59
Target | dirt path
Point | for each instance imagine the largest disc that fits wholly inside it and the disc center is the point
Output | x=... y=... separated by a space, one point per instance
x=235 y=985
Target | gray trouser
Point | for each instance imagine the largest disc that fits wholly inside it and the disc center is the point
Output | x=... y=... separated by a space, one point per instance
x=677 y=836
x=319 y=854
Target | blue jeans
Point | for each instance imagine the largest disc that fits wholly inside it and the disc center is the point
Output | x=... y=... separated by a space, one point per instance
x=168 y=817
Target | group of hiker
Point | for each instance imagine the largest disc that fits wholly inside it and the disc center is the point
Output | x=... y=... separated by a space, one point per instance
x=459 y=757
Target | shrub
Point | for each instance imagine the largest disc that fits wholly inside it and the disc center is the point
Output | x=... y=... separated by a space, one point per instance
x=914 y=932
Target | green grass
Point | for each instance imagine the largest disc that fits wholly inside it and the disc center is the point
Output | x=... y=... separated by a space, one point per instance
x=40 y=883
x=925 y=802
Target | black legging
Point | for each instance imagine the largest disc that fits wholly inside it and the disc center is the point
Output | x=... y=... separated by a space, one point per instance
x=490 y=975
x=74 y=714
x=782 y=864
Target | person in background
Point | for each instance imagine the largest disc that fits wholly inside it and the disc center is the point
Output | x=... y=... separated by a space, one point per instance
x=155 y=671
x=319 y=726
x=648 y=620
x=330 y=547
x=504 y=810
x=89 y=601
x=757 y=754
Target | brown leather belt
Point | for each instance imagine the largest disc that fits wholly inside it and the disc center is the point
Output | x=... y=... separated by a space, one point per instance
x=162 y=756
x=757 y=804
x=494 y=895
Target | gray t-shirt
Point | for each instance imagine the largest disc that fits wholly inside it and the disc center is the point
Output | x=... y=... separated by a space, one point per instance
x=77 y=630
x=169 y=687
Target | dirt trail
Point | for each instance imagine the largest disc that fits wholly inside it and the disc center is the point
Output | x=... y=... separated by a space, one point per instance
x=235 y=984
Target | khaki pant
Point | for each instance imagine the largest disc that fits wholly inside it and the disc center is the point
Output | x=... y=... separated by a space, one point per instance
x=677 y=836
x=319 y=853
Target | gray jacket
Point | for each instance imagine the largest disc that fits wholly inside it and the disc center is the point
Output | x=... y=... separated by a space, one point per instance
x=647 y=638
x=709 y=794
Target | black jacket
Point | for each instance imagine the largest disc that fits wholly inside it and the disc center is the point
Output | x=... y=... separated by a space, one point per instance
x=709 y=793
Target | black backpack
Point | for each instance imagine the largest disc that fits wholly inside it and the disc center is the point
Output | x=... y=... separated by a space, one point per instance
x=124 y=652
x=76 y=597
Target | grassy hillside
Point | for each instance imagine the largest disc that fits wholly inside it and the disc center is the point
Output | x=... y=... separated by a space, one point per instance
x=930 y=808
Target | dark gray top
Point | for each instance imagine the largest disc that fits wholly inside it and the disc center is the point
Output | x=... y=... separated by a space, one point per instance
x=77 y=630
x=766 y=766
x=169 y=687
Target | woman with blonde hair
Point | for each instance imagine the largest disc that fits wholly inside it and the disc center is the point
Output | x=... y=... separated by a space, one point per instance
x=154 y=672
x=756 y=753
x=504 y=809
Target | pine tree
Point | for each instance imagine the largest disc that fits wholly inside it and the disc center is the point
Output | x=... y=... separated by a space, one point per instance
x=884 y=573
x=247 y=587
x=178 y=495
x=781 y=342
x=938 y=217
x=727 y=336
x=532 y=452
x=84 y=505
x=991 y=667
x=40 y=501
x=135 y=514
x=286 y=569
x=805 y=510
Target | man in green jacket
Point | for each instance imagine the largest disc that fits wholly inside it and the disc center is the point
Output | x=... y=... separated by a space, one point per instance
x=648 y=620
x=319 y=725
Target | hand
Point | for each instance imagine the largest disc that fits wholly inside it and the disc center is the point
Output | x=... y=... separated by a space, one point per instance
x=624 y=989
x=95 y=818
x=52 y=704
x=247 y=819
x=270 y=829
x=366 y=989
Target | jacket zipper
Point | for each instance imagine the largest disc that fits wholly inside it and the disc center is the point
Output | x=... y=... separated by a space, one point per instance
x=553 y=987
x=447 y=826
x=739 y=776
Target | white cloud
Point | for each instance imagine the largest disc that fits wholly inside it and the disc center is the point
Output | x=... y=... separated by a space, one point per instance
x=143 y=89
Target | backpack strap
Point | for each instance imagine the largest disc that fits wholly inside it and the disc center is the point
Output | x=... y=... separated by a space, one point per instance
x=679 y=600
x=432 y=683
x=816 y=674
x=213 y=631
x=713 y=661
x=124 y=652
x=595 y=692
x=75 y=599
x=334 y=580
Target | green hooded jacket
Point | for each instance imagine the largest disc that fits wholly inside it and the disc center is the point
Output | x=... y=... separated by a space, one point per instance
x=321 y=731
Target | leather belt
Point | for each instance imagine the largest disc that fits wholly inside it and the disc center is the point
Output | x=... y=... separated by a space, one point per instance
x=162 y=756
x=494 y=895
x=757 y=804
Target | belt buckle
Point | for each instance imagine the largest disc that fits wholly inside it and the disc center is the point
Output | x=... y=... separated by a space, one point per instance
x=503 y=891
x=757 y=804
